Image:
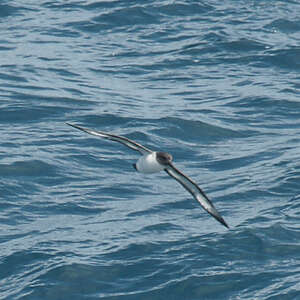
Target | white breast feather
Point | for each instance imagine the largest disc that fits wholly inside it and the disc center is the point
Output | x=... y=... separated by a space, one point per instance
x=148 y=164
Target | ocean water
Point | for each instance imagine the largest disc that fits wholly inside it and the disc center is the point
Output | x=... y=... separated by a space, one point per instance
x=215 y=83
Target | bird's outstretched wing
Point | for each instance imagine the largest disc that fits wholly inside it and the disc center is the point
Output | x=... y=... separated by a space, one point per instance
x=195 y=190
x=120 y=139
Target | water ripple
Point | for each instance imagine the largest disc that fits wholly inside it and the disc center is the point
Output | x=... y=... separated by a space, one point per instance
x=215 y=84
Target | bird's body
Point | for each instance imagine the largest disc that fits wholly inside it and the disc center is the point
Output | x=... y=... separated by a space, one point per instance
x=149 y=162
x=156 y=161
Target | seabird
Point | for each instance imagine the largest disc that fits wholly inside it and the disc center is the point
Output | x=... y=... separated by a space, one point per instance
x=156 y=161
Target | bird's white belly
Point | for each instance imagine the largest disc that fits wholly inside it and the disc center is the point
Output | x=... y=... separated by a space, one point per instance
x=148 y=164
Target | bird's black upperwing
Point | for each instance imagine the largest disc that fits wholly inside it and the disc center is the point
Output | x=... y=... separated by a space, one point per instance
x=195 y=190
x=120 y=139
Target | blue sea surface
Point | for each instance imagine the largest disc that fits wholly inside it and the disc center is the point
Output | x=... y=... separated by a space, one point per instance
x=215 y=83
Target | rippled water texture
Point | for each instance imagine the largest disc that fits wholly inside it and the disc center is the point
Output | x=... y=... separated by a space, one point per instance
x=214 y=83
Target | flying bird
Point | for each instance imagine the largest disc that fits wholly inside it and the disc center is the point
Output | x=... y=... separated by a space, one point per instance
x=156 y=161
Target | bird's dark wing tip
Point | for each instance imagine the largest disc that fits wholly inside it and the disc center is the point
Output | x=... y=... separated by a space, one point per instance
x=73 y=125
x=222 y=221
x=217 y=216
x=76 y=126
